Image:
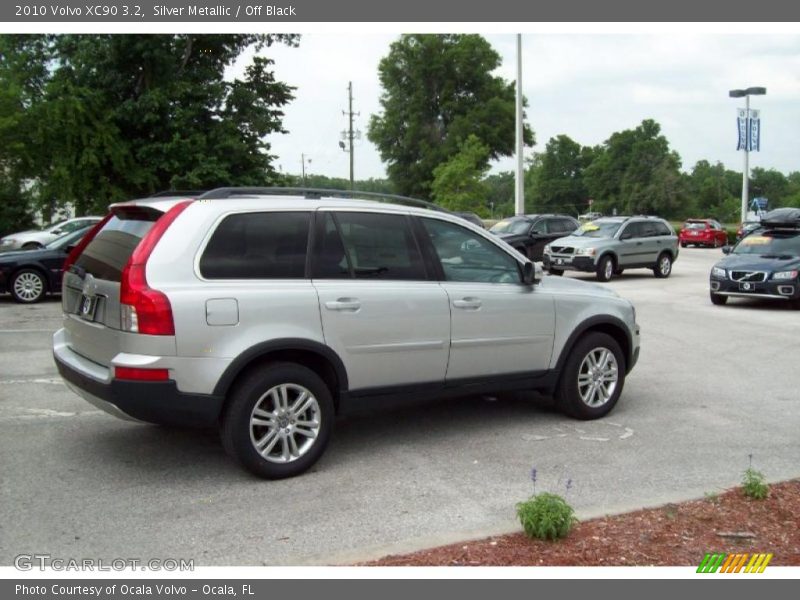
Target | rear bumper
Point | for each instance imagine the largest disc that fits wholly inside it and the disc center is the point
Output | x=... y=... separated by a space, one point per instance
x=152 y=401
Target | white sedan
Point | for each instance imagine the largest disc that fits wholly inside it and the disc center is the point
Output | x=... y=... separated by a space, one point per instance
x=31 y=239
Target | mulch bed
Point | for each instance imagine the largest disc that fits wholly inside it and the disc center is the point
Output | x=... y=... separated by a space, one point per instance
x=671 y=535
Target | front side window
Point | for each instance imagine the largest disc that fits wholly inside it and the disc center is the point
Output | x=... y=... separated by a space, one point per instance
x=465 y=256
x=266 y=245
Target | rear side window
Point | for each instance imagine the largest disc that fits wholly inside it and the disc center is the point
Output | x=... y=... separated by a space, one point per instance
x=368 y=246
x=663 y=229
x=268 y=245
x=109 y=251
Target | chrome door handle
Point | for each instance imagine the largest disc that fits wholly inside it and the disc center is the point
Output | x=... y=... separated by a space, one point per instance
x=468 y=303
x=351 y=304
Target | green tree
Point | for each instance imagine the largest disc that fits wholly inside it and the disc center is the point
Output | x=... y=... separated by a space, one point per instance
x=770 y=184
x=636 y=172
x=500 y=194
x=715 y=192
x=437 y=91
x=121 y=116
x=458 y=183
x=559 y=184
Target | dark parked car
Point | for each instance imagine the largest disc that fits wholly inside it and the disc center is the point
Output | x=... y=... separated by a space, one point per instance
x=472 y=218
x=531 y=233
x=28 y=275
x=764 y=264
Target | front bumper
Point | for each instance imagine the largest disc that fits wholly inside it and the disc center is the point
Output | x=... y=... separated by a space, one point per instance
x=772 y=290
x=152 y=401
x=568 y=263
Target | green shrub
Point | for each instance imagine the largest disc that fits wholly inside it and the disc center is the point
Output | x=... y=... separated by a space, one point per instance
x=754 y=485
x=546 y=516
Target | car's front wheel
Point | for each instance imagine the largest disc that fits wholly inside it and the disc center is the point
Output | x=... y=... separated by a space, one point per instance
x=717 y=299
x=279 y=420
x=28 y=286
x=593 y=377
x=605 y=269
x=663 y=266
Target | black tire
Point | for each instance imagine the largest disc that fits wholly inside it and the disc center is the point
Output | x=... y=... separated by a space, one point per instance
x=568 y=392
x=717 y=299
x=556 y=272
x=684 y=244
x=28 y=286
x=663 y=266
x=605 y=268
x=237 y=431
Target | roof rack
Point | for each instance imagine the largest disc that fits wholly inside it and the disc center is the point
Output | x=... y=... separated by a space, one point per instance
x=316 y=193
x=170 y=193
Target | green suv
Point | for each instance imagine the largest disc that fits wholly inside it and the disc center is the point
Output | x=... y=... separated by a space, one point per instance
x=609 y=245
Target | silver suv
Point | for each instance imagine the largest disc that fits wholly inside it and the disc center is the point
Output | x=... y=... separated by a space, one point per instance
x=609 y=245
x=268 y=312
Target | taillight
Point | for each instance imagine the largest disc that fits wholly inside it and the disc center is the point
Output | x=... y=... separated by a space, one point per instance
x=137 y=374
x=78 y=250
x=143 y=309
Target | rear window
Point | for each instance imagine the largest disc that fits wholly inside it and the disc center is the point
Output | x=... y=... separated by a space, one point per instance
x=109 y=251
x=268 y=245
x=694 y=225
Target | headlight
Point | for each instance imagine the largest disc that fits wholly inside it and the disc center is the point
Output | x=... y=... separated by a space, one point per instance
x=547 y=249
x=719 y=272
x=784 y=275
x=585 y=251
x=7 y=241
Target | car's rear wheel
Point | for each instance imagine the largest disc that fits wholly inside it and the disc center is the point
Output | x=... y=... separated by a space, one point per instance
x=717 y=299
x=556 y=272
x=684 y=244
x=605 y=268
x=28 y=286
x=279 y=420
x=593 y=377
x=663 y=266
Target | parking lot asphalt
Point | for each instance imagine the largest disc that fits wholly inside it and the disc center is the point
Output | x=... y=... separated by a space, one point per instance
x=713 y=386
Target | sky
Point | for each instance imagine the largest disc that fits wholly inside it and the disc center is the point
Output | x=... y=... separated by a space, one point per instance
x=584 y=85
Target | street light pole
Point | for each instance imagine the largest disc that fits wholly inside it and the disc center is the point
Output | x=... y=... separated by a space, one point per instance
x=303 y=160
x=746 y=93
x=519 y=190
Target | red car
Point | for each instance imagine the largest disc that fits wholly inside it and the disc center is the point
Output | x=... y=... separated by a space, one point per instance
x=703 y=232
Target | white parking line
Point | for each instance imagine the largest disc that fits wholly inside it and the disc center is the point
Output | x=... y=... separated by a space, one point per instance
x=49 y=381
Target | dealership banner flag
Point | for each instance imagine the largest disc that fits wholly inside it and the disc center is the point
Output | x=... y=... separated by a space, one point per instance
x=754 y=131
x=742 y=127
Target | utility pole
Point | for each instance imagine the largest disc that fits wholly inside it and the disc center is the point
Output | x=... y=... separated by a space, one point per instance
x=350 y=135
x=303 y=160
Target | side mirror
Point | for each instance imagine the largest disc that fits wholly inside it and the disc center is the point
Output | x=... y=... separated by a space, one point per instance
x=57 y=231
x=68 y=249
x=625 y=236
x=531 y=273
x=726 y=249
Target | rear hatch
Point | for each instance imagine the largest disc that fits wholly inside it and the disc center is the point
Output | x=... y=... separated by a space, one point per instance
x=91 y=287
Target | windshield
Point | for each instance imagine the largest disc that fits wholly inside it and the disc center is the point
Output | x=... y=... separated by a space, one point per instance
x=770 y=244
x=598 y=229
x=514 y=226
x=694 y=225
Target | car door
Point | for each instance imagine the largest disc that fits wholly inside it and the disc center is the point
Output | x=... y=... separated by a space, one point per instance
x=499 y=326
x=381 y=312
x=540 y=235
x=630 y=244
